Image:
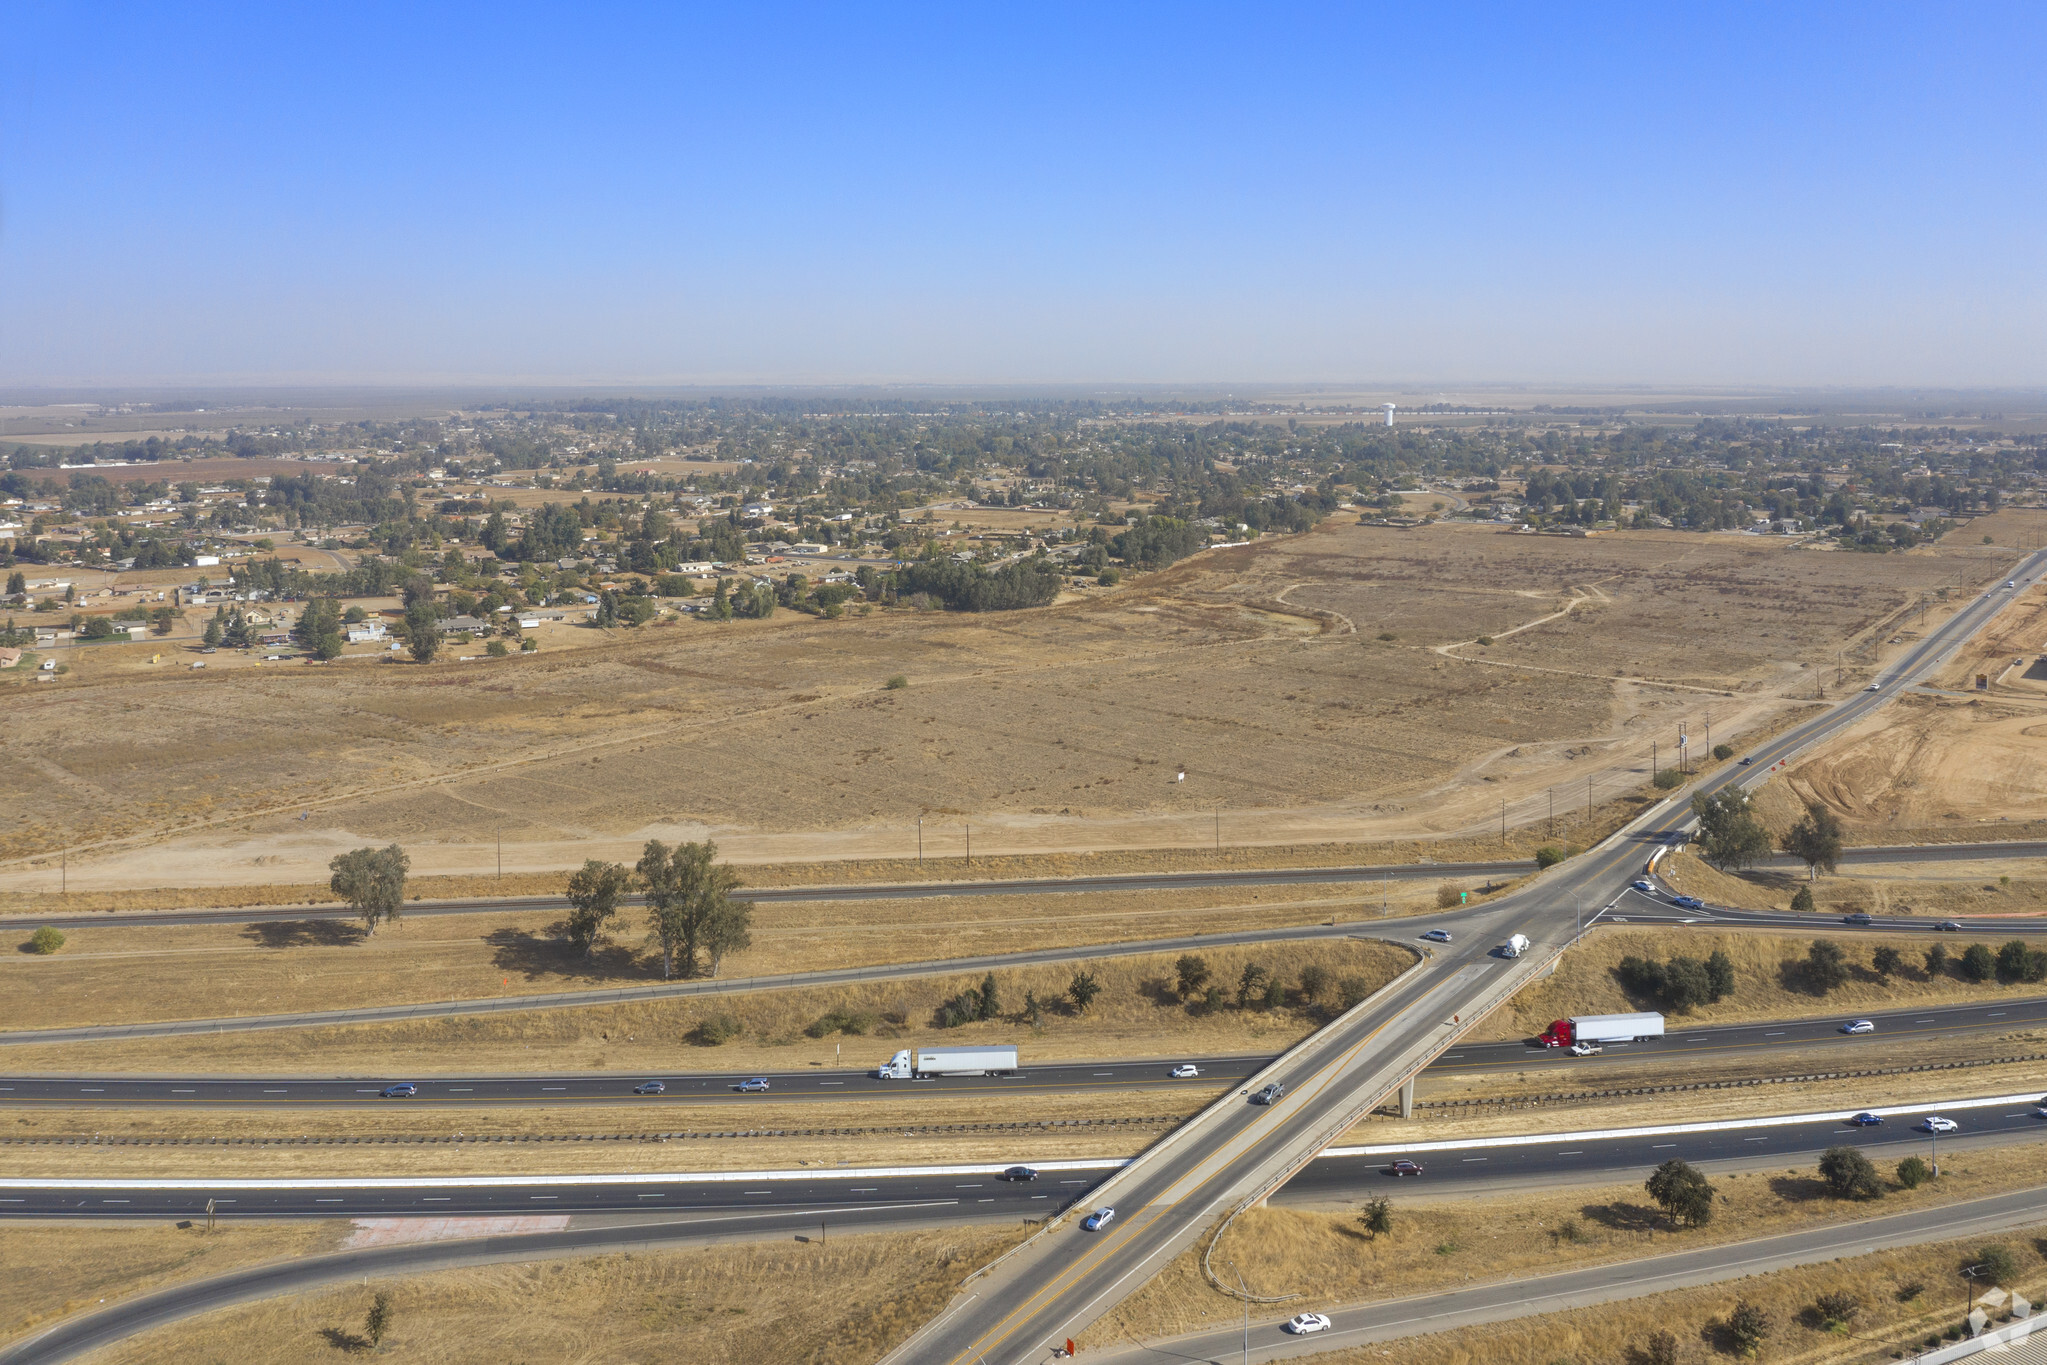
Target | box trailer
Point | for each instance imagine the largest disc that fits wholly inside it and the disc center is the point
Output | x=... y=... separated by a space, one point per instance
x=949 y=1061
x=1603 y=1028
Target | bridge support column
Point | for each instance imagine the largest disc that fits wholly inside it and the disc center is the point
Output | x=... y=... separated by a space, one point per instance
x=1407 y=1098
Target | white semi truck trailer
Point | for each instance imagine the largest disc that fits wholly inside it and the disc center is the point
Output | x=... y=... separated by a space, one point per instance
x=948 y=1061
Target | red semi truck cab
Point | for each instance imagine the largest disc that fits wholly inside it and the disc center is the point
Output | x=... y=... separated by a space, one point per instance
x=1559 y=1034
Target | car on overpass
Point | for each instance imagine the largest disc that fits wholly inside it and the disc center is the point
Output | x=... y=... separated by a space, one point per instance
x=650 y=1088
x=1100 y=1218
x=1404 y=1167
x=1270 y=1094
x=1305 y=1323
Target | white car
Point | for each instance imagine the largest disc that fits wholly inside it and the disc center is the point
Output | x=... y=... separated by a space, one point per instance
x=1306 y=1323
x=1934 y=1123
x=1099 y=1219
x=1874 y=687
x=1859 y=1026
x=1184 y=1070
x=1640 y=885
x=1437 y=936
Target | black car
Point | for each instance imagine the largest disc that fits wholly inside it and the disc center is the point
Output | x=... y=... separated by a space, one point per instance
x=1019 y=1173
x=1948 y=926
x=1857 y=918
x=1269 y=1095
x=1403 y=1167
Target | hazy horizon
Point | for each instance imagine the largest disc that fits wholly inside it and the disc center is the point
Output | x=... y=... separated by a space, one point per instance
x=1062 y=198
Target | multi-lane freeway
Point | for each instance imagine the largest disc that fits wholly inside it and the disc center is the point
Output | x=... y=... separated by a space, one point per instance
x=1065 y=1078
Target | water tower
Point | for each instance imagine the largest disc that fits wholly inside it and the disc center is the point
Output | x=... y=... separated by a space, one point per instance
x=1389 y=413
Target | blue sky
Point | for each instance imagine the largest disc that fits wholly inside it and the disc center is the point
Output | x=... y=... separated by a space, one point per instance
x=1168 y=193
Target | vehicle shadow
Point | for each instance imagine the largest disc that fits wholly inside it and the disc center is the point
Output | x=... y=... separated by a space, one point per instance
x=304 y=933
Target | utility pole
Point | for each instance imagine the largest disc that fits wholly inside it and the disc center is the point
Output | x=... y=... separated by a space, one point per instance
x=970 y=845
x=1218 y=833
x=1549 y=826
x=501 y=850
x=1247 y=1310
x=1503 y=822
x=920 y=841
x=64 y=871
x=1653 y=769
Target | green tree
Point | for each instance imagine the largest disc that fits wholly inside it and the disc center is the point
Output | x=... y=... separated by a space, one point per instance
x=17 y=584
x=594 y=893
x=1083 y=989
x=1378 y=1216
x=2018 y=962
x=1729 y=833
x=1887 y=961
x=1314 y=982
x=319 y=628
x=1978 y=963
x=422 y=631
x=46 y=940
x=373 y=881
x=1826 y=966
x=1192 y=973
x=1352 y=991
x=1747 y=1325
x=1251 y=984
x=1801 y=901
x=1684 y=1195
x=991 y=1001
x=1936 y=961
x=213 y=633
x=1686 y=984
x=1719 y=976
x=1914 y=1172
x=691 y=907
x=1815 y=840
x=376 y=1325
x=1849 y=1174
x=1994 y=1264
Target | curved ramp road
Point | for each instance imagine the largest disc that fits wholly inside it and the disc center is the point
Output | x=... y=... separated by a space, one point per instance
x=308 y=1092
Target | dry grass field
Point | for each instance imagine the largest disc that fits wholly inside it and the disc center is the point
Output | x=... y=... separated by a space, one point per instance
x=1135 y=1015
x=124 y=973
x=1770 y=980
x=847 y=1299
x=1988 y=886
x=1259 y=669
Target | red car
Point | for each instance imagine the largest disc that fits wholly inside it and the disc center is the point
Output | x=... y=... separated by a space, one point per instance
x=1403 y=1167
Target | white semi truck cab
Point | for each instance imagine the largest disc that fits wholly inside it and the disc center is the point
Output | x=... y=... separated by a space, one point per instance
x=1515 y=945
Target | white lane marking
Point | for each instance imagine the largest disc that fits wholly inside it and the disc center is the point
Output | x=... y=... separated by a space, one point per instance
x=1997 y=1014
x=273 y=1092
x=652 y=1196
x=543 y=1196
x=1035 y=1196
x=436 y=1198
x=1760 y=1139
x=1655 y=1145
x=463 y=1090
x=1580 y=1151
x=831 y=1082
x=967 y=1187
x=1468 y=1160
x=984 y=1201
x=1105 y=1073
x=368 y=1092
x=92 y=1090
x=184 y=1092
x=868 y=1189
x=756 y=1191
x=1926 y=1021
x=1778 y=1034
x=114 y=1201
x=327 y=1201
x=554 y=1087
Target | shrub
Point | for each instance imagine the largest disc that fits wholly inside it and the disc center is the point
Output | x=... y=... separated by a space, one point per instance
x=1936 y=960
x=1801 y=900
x=1549 y=856
x=1837 y=1307
x=1388 y=635
x=1083 y=989
x=715 y=1031
x=46 y=940
x=1485 y=639
x=1109 y=578
x=963 y=1008
x=1668 y=779
x=1995 y=1264
x=1979 y=963
x=1683 y=1193
x=1275 y=994
x=1887 y=961
x=1826 y=966
x=1660 y=1349
x=896 y=682
x=1314 y=982
x=1849 y=1174
x=1723 y=751
x=1352 y=991
x=1251 y=984
x=1191 y=975
x=1377 y=1217
x=839 y=1021
x=1213 y=999
x=496 y=649
x=1914 y=1172
x=1910 y=1290
x=1748 y=1325
x=1449 y=895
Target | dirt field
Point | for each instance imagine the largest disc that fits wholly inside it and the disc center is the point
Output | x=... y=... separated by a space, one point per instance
x=1770 y=982
x=1119 y=1123
x=847 y=1299
x=120 y=974
x=1990 y=886
x=1134 y=1016
x=1903 y=1294
x=1260 y=669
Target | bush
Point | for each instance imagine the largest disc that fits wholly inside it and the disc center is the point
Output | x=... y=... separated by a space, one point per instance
x=1388 y=635
x=1801 y=900
x=1352 y=991
x=1660 y=1349
x=1979 y=963
x=1449 y=896
x=1109 y=578
x=1937 y=960
x=896 y=683
x=1914 y=1172
x=715 y=1031
x=1083 y=989
x=1549 y=856
x=1826 y=966
x=1668 y=779
x=1723 y=751
x=1748 y=1325
x=1995 y=1264
x=496 y=649
x=1191 y=975
x=1377 y=1217
x=1887 y=961
x=839 y=1021
x=1485 y=639
x=46 y=940
x=1837 y=1307
x=1849 y=1174
x=1683 y=1193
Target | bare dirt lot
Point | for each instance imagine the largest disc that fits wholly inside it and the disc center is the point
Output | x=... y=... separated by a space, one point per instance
x=1135 y=1015
x=1259 y=669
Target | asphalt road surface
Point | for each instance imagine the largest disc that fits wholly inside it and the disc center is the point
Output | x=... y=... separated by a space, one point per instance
x=310 y=1092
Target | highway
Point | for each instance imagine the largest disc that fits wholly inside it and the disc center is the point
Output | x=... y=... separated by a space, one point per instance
x=1021 y=886
x=811 y=1086
x=1228 y=1156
